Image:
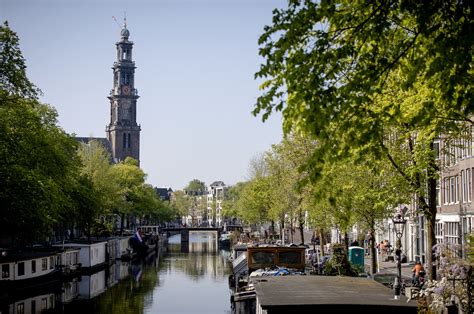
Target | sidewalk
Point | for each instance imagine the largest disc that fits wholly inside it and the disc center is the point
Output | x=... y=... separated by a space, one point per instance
x=390 y=268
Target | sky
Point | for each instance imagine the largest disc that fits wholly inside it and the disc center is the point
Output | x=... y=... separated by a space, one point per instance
x=195 y=59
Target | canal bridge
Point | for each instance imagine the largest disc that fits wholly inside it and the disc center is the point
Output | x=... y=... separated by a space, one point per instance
x=184 y=232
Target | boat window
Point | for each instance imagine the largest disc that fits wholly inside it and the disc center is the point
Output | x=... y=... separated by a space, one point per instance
x=33 y=266
x=290 y=258
x=51 y=262
x=21 y=268
x=5 y=270
x=20 y=308
x=44 y=264
x=263 y=258
x=44 y=304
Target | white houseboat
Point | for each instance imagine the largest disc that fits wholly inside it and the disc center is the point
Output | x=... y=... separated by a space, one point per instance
x=91 y=254
x=28 y=268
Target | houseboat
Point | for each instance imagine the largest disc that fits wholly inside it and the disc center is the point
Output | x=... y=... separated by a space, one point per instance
x=92 y=255
x=257 y=262
x=28 y=268
x=123 y=250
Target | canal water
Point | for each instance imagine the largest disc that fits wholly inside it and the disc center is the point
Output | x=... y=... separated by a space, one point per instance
x=193 y=279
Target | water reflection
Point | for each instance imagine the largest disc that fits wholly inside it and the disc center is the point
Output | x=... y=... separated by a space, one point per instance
x=194 y=282
x=169 y=282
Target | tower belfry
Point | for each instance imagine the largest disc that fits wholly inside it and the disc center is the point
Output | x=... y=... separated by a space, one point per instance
x=123 y=132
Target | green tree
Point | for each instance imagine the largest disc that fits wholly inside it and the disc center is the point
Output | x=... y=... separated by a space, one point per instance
x=130 y=179
x=229 y=205
x=181 y=203
x=38 y=170
x=255 y=201
x=327 y=64
x=96 y=164
x=13 y=79
x=195 y=187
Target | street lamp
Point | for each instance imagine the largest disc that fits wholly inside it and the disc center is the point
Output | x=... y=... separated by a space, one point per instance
x=399 y=222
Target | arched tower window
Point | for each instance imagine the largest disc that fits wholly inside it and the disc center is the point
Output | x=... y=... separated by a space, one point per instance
x=124 y=140
x=129 y=140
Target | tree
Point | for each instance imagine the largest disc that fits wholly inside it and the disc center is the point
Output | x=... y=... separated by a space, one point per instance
x=229 y=205
x=87 y=205
x=328 y=63
x=130 y=178
x=38 y=170
x=96 y=164
x=181 y=203
x=255 y=200
x=13 y=79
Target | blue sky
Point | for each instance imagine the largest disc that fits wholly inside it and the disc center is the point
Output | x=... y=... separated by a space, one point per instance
x=195 y=76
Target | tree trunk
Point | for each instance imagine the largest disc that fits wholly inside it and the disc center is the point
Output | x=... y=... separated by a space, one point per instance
x=272 y=230
x=302 y=230
x=122 y=218
x=322 y=240
x=373 y=253
x=282 y=230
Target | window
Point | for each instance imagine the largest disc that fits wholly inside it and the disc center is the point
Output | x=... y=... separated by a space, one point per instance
x=446 y=191
x=44 y=304
x=436 y=149
x=44 y=264
x=463 y=187
x=439 y=232
x=457 y=189
x=452 y=154
x=471 y=142
x=21 y=269
x=124 y=140
x=129 y=140
x=451 y=232
x=452 y=190
x=51 y=262
x=438 y=193
x=469 y=184
x=446 y=153
x=20 y=308
x=33 y=306
x=33 y=266
x=5 y=270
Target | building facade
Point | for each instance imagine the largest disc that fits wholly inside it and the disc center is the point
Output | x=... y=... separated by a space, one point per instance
x=455 y=208
x=123 y=132
x=215 y=198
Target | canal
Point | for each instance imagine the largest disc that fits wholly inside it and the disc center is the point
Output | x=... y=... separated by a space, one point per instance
x=176 y=280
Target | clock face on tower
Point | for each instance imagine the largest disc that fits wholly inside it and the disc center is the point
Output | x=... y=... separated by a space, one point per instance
x=126 y=89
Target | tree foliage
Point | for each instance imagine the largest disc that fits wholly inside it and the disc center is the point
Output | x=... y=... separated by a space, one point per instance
x=195 y=187
x=354 y=75
x=13 y=79
x=38 y=169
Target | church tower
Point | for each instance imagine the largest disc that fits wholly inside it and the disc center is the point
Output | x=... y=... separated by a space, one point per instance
x=123 y=132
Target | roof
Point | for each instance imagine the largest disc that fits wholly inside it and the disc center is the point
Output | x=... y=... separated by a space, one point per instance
x=18 y=256
x=330 y=292
x=217 y=183
x=164 y=193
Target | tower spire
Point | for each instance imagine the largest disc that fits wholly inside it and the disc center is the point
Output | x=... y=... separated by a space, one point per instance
x=123 y=132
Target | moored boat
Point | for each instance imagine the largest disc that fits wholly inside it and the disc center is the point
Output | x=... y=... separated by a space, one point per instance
x=224 y=240
x=257 y=262
x=28 y=268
